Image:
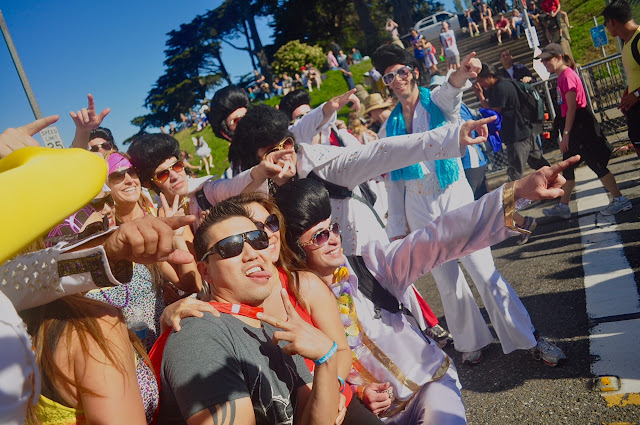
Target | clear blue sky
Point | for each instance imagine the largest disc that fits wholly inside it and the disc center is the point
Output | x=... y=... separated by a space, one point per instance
x=112 y=49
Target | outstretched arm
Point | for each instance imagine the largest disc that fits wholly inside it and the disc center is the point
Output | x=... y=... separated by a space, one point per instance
x=13 y=139
x=86 y=119
x=455 y=234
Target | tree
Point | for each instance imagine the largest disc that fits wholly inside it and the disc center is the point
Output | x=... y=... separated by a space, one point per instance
x=293 y=55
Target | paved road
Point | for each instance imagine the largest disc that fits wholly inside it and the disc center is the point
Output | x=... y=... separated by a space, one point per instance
x=548 y=275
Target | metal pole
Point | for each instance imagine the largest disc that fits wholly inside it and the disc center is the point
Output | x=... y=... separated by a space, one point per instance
x=550 y=108
x=20 y=69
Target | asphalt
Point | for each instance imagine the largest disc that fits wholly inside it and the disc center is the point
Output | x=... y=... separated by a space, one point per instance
x=548 y=275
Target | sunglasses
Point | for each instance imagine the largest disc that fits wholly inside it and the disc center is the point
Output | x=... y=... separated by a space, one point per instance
x=162 y=176
x=390 y=77
x=286 y=143
x=270 y=223
x=99 y=203
x=233 y=245
x=96 y=148
x=321 y=238
x=118 y=176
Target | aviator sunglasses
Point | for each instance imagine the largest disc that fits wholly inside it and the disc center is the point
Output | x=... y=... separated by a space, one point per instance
x=286 y=143
x=321 y=238
x=233 y=245
x=96 y=148
x=118 y=176
x=270 y=223
x=162 y=176
x=390 y=77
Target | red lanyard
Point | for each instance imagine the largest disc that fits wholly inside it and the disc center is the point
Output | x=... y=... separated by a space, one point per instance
x=240 y=309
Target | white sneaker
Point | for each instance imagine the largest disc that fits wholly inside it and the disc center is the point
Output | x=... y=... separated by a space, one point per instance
x=617 y=205
x=472 y=357
x=548 y=352
x=558 y=210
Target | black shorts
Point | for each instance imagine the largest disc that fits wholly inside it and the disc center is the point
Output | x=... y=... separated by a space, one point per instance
x=587 y=140
x=633 y=124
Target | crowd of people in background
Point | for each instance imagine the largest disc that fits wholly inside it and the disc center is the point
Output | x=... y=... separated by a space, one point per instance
x=283 y=292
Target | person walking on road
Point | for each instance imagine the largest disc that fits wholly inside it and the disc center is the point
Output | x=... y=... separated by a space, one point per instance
x=581 y=134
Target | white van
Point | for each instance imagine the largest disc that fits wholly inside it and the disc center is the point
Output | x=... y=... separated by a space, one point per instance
x=430 y=26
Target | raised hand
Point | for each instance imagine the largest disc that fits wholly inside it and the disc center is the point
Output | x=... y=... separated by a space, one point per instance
x=278 y=164
x=470 y=66
x=479 y=126
x=172 y=211
x=148 y=240
x=186 y=307
x=302 y=338
x=13 y=139
x=545 y=183
x=339 y=102
x=86 y=119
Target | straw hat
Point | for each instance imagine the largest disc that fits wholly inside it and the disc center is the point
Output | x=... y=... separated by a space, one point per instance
x=375 y=101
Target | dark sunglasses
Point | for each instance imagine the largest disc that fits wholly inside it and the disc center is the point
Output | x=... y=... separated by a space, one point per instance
x=96 y=148
x=233 y=245
x=390 y=77
x=162 y=176
x=270 y=223
x=321 y=238
x=99 y=203
x=118 y=176
x=286 y=143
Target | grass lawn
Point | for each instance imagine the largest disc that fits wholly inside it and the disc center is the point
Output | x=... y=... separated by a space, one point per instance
x=581 y=15
x=332 y=86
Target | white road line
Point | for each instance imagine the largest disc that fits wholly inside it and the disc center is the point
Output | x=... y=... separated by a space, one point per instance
x=610 y=287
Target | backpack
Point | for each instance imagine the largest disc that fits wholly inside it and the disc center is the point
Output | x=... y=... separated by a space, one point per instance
x=532 y=107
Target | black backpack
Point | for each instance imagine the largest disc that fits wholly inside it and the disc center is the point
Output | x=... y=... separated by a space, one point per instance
x=531 y=105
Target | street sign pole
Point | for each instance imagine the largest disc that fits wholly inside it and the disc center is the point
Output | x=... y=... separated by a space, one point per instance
x=50 y=135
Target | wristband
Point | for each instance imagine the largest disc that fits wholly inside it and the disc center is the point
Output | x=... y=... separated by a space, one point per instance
x=360 y=391
x=326 y=357
x=343 y=384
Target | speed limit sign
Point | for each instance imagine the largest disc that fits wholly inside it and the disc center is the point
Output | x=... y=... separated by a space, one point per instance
x=51 y=137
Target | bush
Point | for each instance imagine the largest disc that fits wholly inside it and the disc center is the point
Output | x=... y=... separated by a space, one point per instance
x=294 y=55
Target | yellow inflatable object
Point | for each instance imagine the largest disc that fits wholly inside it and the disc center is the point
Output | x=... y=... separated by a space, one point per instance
x=40 y=187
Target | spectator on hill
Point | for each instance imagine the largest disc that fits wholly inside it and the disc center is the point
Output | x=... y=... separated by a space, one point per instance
x=276 y=87
x=392 y=28
x=185 y=157
x=499 y=94
x=581 y=135
x=314 y=76
x=287 y=83
x=184 y=121
x=449 y=46
x=471 y=24
x=172 y=129
x=486 y=16
x=357 y=56
x=332 y=62
x=503 y=27
x=514 y=71
x=618 y=19
x=347 y=74
x=341 y=56
x=533 y=11
x=336 y=49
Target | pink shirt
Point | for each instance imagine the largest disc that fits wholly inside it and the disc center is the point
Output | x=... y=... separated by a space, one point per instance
x=568 y=80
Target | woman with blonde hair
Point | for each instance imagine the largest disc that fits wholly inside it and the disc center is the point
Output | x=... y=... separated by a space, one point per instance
x=358 y=129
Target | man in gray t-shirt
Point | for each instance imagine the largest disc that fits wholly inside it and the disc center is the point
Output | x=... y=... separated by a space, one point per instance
x=449 y=47
x=229 y=360
x=227 y=369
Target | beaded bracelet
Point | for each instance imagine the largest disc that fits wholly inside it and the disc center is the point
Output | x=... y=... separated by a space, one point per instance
x=326 y=357
x=343 y=384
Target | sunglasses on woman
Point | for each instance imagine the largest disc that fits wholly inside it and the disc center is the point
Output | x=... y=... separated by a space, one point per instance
x=321 y=238
x=99 y=203
x=118 y=176
x=233 y=245
x=162 y=176
x=104 y=145
x=390 y=77
x=286 y=143
x=272 y=223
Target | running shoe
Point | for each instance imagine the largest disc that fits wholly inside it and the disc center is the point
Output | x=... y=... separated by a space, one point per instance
x=548 y=352
x=530 y=224
x=559 y=210
x=472 y=357
x=617 y=205
x=440 y=335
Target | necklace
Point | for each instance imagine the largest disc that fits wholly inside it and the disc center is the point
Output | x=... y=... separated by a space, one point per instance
x=239 y=309
x=110 y=301
x=341 y=288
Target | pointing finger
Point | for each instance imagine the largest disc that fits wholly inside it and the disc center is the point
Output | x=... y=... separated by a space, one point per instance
x=557 y=168
x=91 y=105
x=39 y=125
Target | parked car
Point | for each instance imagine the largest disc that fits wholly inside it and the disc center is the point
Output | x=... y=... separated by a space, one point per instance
x=430 y=26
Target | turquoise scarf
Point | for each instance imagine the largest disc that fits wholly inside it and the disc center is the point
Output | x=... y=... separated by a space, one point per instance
x=447 y=170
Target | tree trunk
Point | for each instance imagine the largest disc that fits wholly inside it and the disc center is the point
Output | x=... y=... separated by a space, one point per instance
x=402 y=15
x=258 y=49
x=246 y=35
x=223 y=69
x=366 y=24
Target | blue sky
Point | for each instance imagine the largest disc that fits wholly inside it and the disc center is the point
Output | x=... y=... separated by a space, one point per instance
x=112 y=49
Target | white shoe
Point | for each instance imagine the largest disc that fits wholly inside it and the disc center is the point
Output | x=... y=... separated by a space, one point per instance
x=558 y=210
x=617 y=205
x=472 y=357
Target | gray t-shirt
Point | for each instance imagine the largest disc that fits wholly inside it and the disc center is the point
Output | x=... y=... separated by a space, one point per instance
x=214 y=360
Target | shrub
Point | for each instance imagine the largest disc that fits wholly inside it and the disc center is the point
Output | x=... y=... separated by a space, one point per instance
x=293 y=55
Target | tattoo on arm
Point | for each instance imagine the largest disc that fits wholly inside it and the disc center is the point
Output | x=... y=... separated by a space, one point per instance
x=224 y=414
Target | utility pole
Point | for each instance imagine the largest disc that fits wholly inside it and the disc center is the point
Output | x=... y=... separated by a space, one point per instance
x=50 y=135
